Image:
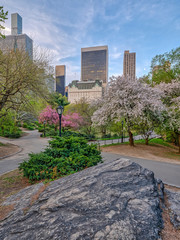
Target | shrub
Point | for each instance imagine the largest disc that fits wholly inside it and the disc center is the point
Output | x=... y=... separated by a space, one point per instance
x=25 y=125
x=64 y=156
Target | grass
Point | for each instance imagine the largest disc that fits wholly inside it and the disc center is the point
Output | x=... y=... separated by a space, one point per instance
x=1 y=144
x=152 y=142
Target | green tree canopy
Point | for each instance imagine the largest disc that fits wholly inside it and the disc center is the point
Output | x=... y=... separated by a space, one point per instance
x=56 y=99
x=165 y=67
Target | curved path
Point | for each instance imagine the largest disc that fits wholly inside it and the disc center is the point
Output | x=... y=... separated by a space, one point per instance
x=169 y=173
x=30 y=143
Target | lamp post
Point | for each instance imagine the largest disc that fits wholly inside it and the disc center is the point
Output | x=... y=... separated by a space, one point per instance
x=44 y=128
x=60 y=111
x=122 y=132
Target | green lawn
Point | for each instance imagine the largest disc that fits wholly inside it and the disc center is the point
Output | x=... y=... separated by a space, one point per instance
x=152 y=142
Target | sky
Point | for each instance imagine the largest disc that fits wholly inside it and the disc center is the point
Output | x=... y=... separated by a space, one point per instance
x=63 y=27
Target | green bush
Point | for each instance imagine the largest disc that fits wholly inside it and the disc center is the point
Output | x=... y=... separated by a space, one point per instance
x=64 y=156
x=25 y=125
x=10 y=131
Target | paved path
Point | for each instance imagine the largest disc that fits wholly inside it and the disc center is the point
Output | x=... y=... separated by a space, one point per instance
x=30 y=143
x=169 y=173
x=111 y=141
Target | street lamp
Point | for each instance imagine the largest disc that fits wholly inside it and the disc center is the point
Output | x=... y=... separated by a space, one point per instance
x=60 y=111
x=44 y=128
x=122 y=132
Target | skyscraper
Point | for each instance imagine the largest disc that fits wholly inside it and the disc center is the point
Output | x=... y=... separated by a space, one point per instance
x=16 y=24
x=129 y=64
x=60 y=78
x=17 y=40
x=94 y=64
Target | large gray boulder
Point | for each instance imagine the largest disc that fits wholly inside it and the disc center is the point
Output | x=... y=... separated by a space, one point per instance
x=174 y=207
x=114 y=200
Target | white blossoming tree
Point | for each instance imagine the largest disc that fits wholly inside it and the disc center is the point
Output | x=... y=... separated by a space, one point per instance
x=171 y=98
x=130 y=100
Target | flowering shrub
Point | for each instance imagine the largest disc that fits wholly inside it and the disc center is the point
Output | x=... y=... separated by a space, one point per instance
x=73 y=120
x=49 y=115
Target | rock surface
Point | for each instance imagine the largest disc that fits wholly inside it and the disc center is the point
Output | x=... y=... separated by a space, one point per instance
x=114 y=200
x=174 y=207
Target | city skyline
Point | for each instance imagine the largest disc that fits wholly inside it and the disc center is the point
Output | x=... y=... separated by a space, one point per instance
x=147 y=28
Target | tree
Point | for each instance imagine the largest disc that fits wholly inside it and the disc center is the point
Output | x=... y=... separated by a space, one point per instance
x=85 y=110
x=127 y=99
x=3 y=17
x=57 y=99
x=50 y=116
x=73 y=120
x=21 y=76
x=171 y=98
x=166 y=67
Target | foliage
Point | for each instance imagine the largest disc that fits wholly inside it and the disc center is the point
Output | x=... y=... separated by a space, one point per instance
x=56 y=99
x=3 y=17
x=86 y=110
x=165 y=67
x=8 y=126
x=20 y=77
x=49 y=115
x=29 y=126
x=73 y=120
x=127 y=99
x=64 y=156
x=171 y=98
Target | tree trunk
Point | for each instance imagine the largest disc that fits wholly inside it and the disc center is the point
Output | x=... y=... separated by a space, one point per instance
x=131 y=140
x=147 y=141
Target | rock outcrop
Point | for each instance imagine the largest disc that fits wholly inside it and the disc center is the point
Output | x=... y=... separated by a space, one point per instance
x=114 y=200
x=174 y=207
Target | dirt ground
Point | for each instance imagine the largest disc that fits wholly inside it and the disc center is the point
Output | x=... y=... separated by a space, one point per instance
x=155 y=152
x=8 y=149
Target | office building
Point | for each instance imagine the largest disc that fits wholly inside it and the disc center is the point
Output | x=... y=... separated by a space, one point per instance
x=88 y=90
x=129 y=64
x=94 y=64
x=16 y=24
x=60 y=72
x=17 y=40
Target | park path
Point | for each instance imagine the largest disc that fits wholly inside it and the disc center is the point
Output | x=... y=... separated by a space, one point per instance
x=169 y=173
x=31 y=143
x=112 y=141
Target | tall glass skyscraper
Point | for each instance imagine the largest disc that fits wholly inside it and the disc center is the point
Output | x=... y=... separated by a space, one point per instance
x=94 y=64
x=60 y=79
x=16 y=24
x=17 y=40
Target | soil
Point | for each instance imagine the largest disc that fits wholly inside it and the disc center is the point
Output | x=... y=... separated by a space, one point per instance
x=8 y=149
x=156 y=152
x=10 y=183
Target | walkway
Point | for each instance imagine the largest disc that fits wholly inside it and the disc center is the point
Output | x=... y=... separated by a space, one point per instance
x=32 y=143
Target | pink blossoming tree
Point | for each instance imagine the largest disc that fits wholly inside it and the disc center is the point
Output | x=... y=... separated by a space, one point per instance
x=50 y=116
x=73 y=120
